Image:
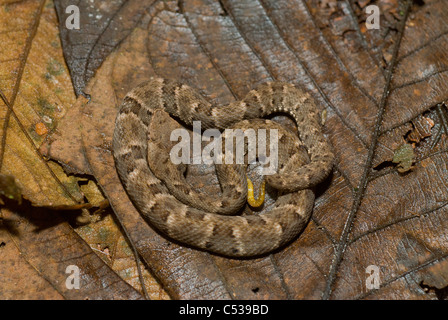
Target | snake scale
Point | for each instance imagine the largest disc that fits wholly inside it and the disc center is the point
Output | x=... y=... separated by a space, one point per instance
x=149 y=179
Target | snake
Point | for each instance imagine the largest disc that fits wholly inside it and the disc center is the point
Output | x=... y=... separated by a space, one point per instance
x=214 y=223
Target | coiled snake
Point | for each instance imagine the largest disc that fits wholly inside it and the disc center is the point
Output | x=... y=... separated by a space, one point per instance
x=159 y=191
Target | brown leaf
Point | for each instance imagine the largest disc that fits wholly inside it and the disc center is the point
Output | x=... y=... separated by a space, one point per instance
x=105 y=238
x=106 y=24
x=44 y=246
x=35 y=93
x=376 y=86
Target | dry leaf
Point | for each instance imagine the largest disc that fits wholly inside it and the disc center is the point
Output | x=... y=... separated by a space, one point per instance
x=376 y=87
x=36 y=84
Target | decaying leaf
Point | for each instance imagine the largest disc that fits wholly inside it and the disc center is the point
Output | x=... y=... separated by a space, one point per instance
x=106 y=239
x=376 y=86
x=362 y=108
x=37 y=92
x=46 y=247
x=106 y=25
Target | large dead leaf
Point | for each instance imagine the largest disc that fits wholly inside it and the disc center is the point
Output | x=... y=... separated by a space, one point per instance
x=35 y=94
x=38 y=247
x=382 y=90
x=104 y=26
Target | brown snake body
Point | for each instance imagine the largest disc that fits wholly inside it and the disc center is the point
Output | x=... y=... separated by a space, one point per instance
x=150 y=186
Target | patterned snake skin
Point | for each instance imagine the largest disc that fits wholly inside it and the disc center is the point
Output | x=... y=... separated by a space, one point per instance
x=159 y=191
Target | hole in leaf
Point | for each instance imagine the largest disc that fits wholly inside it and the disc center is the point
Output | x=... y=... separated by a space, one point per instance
x=441 y=294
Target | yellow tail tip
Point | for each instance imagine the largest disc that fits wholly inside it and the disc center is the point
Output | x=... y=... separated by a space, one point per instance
x=255 y=203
